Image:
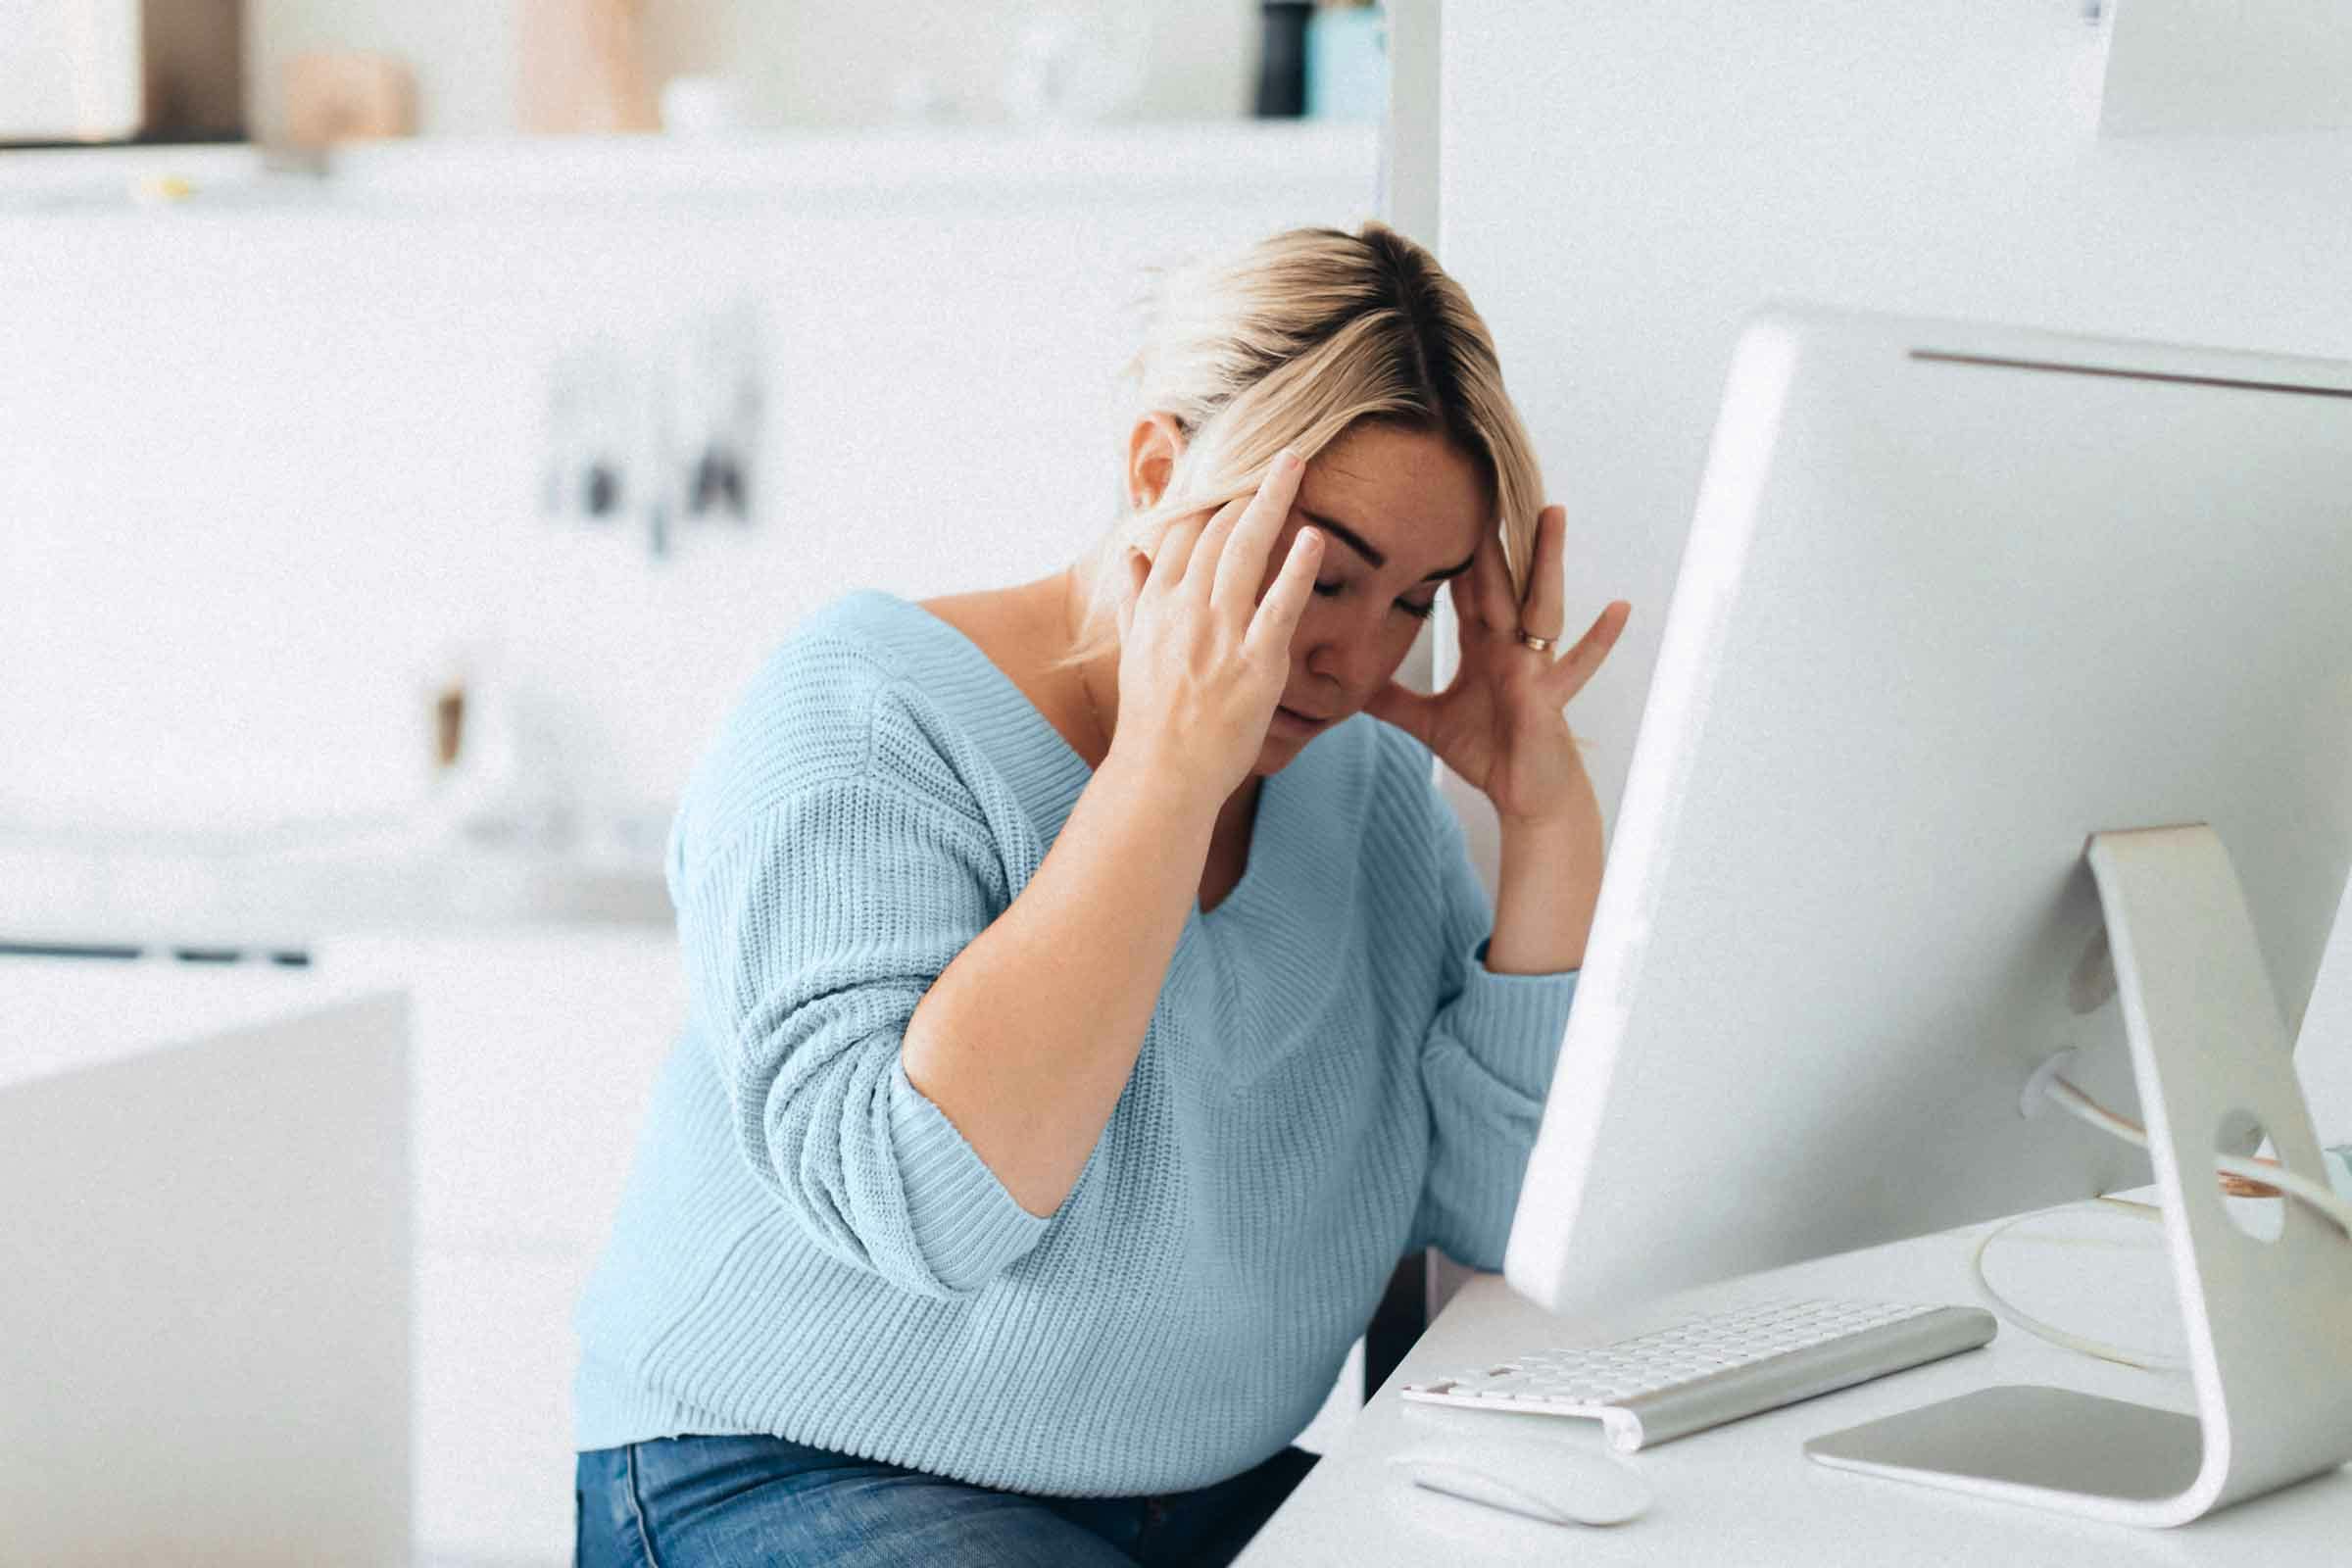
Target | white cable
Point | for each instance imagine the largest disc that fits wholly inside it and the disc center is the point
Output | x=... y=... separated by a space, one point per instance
x=2008 y=1312
x=2075 y=1102
x=2338 y=1212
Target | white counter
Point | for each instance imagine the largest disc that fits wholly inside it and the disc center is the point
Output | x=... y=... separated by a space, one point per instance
x=57 y=1014
x=257 y=904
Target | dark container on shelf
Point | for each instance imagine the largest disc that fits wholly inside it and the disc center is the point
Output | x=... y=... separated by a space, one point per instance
x=1282 y=58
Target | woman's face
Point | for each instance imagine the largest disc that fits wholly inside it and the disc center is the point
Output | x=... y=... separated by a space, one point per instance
x=1400 y=511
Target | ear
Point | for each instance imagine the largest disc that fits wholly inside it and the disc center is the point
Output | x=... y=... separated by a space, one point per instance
x=1153 y=448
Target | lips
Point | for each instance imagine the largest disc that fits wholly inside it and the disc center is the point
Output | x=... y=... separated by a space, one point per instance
x=1304 y=719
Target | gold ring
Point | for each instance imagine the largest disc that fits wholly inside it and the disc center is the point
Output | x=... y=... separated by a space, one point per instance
x=1541 y=645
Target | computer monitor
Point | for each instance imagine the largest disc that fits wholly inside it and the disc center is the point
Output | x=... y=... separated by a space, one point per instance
x=1955 y=598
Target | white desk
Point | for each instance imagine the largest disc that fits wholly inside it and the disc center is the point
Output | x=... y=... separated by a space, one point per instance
x=1746 y=1493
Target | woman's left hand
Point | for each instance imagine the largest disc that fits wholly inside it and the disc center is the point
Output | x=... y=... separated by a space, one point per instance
x=1501 y=723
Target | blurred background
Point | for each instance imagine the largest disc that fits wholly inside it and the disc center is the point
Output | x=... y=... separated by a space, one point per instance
x=533 y=365
x=418 y=423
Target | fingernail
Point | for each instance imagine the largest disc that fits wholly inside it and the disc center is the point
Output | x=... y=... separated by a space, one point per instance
x=1286 y=460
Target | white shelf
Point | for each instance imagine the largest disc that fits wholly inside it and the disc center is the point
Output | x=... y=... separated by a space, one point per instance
x=964 y=166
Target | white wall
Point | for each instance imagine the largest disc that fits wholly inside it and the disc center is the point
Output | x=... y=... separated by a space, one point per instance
x=270 y=467
x=1621 y=183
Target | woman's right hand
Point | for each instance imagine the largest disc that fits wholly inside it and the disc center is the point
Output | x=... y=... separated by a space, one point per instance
x=1202 y=661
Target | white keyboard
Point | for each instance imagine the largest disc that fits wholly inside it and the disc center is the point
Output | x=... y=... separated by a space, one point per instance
x=1663 y=1385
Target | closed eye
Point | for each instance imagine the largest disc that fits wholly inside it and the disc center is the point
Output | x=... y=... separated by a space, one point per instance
x=1419 y=612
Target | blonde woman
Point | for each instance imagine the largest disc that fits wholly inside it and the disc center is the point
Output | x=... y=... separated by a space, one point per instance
x=1092 y=998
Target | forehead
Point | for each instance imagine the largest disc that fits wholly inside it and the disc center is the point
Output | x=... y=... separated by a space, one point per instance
x=1413 y=495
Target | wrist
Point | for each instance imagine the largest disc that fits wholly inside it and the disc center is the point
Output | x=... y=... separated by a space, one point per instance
x=1549 y=884
x=1578 y=828
x=1155 y=785
x=1574 y=808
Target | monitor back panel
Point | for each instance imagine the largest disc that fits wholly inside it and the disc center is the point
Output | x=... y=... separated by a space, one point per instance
x=1955 y=597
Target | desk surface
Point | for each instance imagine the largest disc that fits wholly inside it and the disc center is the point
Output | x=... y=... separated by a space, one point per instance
x=1746 y=1493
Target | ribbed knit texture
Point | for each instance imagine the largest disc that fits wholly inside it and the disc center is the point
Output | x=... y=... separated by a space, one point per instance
x=809 y=1248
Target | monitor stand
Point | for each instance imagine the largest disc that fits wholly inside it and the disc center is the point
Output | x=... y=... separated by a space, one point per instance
x=2267 y=1321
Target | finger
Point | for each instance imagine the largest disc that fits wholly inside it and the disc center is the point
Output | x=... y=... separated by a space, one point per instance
x=1176 y=546
x=1414 y=713
x=1200 y=571
x=1495 y=608
x=1542 y=611
x=1580 y=663
x=1277 y=617
x=1135 y=568
x=1243 y=569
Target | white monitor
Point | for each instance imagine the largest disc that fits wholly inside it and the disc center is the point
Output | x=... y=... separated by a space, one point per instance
x=1955 y=598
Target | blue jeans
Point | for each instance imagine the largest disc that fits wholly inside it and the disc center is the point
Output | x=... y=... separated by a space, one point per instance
x=703 y=1502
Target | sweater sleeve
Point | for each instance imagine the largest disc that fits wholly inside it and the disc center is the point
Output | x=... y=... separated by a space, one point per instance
x=808 y=935
x=1486 y=1065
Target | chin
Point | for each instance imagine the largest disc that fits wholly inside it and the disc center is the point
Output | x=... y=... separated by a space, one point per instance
x=1276 y=754
x=1285 y=740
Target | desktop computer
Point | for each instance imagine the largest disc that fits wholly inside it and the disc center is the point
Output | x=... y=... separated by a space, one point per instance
x=1999 y=753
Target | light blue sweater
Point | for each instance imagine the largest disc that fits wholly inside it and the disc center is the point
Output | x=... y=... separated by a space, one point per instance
x=809 y=1248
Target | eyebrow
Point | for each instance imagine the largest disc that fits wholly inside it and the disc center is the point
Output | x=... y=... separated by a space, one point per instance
x=1364 y=548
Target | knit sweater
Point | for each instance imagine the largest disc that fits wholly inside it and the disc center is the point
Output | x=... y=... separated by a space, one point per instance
x=808 y=1246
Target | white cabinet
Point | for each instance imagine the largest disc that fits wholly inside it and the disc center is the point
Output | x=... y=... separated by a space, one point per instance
x=205 y=1267
x=533 y=1053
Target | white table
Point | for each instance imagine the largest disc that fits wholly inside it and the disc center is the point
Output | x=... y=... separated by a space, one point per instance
x=1745 y=1494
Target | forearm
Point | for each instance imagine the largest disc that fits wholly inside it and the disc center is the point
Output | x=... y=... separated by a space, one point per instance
x=1028 y=1037
x=1549 y=883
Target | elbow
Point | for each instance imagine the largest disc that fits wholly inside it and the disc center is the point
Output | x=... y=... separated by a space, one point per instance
x=881 y=1181
x=942 y=1254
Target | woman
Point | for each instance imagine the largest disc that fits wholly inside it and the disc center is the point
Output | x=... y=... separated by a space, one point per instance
x=1091 y=997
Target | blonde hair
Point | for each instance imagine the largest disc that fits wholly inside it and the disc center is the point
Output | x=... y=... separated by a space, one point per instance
x=1291 y=343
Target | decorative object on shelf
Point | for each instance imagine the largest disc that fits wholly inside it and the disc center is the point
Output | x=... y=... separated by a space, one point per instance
x=1348 y=62
x=583 y=66
x=1282 y=58
x=916 y=98
x=158 y=71
x=1072 y=65
x=702 y=106
x=335 y=95
x=665 y=430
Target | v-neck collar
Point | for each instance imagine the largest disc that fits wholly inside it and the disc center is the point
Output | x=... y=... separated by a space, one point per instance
x=1265 y=959
x=1046 y=773
x=1041 y=742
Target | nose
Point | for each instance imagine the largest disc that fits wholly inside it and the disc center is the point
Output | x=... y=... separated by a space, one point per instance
x=1343 y=658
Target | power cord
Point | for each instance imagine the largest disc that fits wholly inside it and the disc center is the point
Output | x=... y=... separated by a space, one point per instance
x=2260 y=1173
x=2009 y=1312
x=2258 y=1178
